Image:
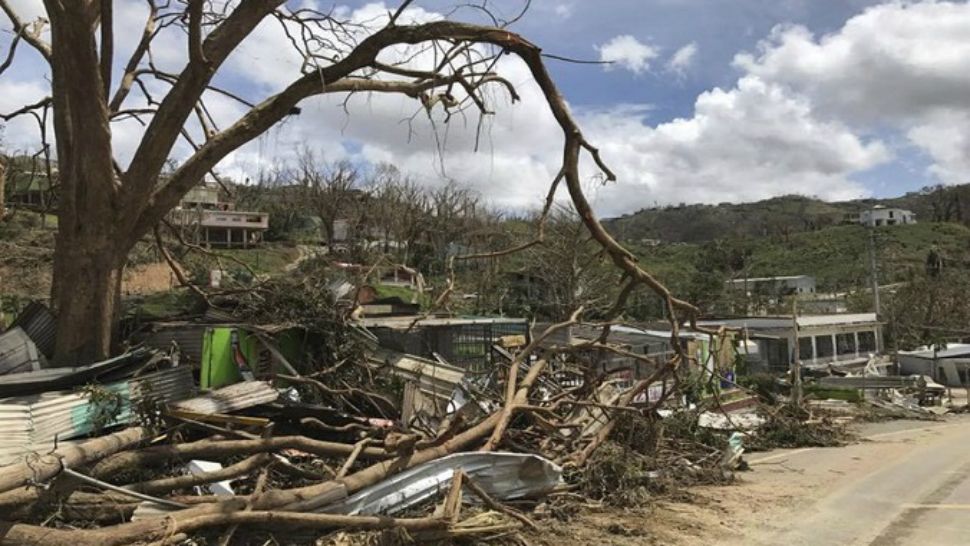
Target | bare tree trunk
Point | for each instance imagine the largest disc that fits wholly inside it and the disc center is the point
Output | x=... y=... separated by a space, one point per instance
x=89 y=253
x=85 y=297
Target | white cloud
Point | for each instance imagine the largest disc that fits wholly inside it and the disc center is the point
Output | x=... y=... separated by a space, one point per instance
x=750 y=142
x=945 y=136
x=628 y=52
x=901 y=66
x=804 y=116
x=681 y=60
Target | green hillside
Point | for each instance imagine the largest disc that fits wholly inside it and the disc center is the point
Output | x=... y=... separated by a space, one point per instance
x=837 y=256
x=779 y=216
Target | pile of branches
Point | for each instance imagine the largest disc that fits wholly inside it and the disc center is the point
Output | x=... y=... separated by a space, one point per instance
x=789 y=426
x=288 y=462
x=649 y=457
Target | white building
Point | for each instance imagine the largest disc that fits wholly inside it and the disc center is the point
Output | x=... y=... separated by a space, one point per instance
x=775 y=286
x=883 y=216
x=843 y=340
x=206 y=219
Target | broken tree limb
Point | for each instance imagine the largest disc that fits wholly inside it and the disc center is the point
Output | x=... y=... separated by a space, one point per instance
x=495 y=505
x=120 y=490
x=512 y=388
x=227 y=512
x=358 y=447
x=39 y=468
x=155 y=529
x=226 y=448
x=166 y=485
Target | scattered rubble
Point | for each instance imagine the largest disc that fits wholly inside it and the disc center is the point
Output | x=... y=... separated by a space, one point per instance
x=306 y=430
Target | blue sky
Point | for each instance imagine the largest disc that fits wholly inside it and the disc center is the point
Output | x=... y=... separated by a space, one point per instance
x=706 y=101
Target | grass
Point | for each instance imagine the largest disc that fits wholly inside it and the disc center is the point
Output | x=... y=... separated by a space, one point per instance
x=268 y=259
x=406 y=294
x=162 y=305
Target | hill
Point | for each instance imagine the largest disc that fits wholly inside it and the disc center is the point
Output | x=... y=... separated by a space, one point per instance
x=778 y=217
x=836 y=256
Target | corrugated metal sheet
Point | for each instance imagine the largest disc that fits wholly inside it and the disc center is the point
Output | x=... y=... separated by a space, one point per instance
x=504 y=476
x=51 y=379
x=31 y=423
x=40 y=324
x=188 y=337
x=232 y=398
x=18 y=353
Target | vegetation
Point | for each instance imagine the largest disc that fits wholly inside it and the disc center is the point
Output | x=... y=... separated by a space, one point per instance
x=836 y=256
x=779 y=217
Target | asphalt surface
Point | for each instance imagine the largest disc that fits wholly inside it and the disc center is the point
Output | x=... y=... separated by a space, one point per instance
x=908 y=485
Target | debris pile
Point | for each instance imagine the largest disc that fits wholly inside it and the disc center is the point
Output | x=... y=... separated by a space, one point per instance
x=308 y=428
x=303 y=429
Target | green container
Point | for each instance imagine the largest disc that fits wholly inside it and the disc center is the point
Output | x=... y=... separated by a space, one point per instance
x=218 y=367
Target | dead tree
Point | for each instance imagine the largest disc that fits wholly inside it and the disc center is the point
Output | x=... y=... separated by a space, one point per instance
x=105 y=208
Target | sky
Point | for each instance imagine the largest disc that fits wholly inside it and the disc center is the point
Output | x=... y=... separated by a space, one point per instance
x=697 y=101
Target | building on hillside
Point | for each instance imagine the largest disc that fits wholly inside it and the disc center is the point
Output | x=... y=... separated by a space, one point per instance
x=818 y=341
x=823 y=303
x=774 y=286
x=207 y=219
x=29 y=190
x=880 y=215
x=949 y=366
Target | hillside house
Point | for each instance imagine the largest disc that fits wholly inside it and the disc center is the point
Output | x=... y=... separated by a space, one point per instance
x=29 y=190
x=840 y=340
x=209 y=220
x=774 y=286
x=880 y=215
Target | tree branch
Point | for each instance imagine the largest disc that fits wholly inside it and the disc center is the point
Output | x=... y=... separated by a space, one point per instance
x=31 y=36
x=107 y=44
x=128 y=79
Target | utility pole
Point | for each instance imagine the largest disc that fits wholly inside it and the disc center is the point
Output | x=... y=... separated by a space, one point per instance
x=796 y=362
x=874 y=269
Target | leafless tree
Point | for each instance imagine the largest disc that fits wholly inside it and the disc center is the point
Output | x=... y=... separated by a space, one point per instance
x=331 y=191
x=568 y=270
x=105 y=208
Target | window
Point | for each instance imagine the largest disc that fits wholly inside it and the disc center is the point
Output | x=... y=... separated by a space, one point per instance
x=776 y=353
x=845 y=343
x=805 y=348
x=823 y=346
x=891 y=214
x=867 y=342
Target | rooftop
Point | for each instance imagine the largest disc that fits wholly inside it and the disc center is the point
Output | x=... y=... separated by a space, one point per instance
x=952 y=350
x=778 y=278
x=406 y=322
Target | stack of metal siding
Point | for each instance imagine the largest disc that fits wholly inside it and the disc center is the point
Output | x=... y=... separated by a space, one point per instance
x=187 y=335
x=232 y=398
x=18 y=353
x=31 y=423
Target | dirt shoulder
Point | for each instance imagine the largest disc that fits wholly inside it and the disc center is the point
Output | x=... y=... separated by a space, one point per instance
x=783 y=488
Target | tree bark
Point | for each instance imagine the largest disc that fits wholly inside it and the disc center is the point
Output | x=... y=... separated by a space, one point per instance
x=86 y=298
x=88 y=260
x=19 y=475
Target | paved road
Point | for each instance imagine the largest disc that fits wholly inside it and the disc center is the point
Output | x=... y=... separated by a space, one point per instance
x=903 y=487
